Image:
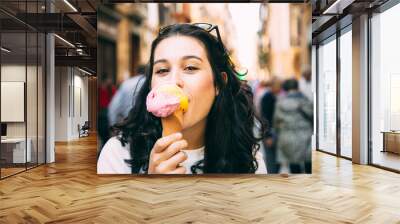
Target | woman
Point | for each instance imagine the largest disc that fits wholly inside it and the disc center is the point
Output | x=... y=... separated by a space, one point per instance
x=217 y=135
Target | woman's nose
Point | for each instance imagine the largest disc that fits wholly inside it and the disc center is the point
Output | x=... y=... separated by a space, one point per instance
x=177 y=79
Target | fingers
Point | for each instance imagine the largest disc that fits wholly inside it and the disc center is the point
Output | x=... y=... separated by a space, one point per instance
x=162 y=143
x=166 y=155
x=172 y=162
x=179 y=170
x=173 y=149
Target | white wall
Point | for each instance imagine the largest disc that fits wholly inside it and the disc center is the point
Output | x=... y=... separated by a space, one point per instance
x=10 y=73
x=61 y=103
x=80 y=100
x=71 y=93
x=13 y=73
x=33 y=126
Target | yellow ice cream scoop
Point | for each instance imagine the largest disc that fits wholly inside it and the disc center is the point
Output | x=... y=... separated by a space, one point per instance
x=178 y=92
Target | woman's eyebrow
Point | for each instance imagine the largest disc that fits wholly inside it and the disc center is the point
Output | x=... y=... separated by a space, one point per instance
x=160 y=61
x=183 y=58
x=191 y=56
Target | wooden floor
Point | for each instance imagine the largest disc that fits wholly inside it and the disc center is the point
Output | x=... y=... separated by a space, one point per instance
x=70 y=191
x=10 y=171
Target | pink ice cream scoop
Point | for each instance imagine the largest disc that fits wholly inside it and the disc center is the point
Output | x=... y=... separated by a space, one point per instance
x=164 y=100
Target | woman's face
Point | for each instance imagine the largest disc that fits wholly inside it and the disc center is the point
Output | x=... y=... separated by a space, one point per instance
x=182 y=60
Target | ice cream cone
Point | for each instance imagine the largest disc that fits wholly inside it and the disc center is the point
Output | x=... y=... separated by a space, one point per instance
x=168 y=102
x=172 y=123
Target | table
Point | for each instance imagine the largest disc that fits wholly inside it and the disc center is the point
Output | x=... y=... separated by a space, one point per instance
x=15 y=148
x=391 y=141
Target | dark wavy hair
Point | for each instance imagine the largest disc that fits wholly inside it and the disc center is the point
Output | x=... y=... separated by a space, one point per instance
x=230 y=140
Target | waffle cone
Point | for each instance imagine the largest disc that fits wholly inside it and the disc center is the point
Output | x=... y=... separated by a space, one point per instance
x=173 y=123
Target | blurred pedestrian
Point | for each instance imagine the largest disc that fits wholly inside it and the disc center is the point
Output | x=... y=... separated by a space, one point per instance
x=267 y=105
x=293 y=123
x=258 y=90
x=124 y=99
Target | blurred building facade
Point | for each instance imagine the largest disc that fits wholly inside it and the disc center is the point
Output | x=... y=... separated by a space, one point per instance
x=273 y=40
x=285 y=39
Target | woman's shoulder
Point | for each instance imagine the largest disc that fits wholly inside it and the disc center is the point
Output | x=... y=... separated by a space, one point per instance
x=116 y=140
x=112 y=157
x=262 y=169
x=114 y=145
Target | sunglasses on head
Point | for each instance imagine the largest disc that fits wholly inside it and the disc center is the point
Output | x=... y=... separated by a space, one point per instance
x=205 y=26
x=208 y=28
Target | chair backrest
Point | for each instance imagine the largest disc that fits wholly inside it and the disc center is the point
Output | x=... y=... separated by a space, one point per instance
x=86 y=125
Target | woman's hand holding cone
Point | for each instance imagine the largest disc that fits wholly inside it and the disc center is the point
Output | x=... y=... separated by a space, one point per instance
x=166 y=155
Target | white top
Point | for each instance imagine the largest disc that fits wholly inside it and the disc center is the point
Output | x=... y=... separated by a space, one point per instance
x=113 y=155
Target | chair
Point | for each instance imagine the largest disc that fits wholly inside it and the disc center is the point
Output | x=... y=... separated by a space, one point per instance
x=84 y=130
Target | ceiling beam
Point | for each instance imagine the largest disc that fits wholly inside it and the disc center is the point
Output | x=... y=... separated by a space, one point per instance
x=84 y=24
x=337 y=7
x=82 y=61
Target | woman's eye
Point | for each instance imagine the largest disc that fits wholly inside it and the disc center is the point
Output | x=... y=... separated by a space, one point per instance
x=191 y=68
x=161 y=71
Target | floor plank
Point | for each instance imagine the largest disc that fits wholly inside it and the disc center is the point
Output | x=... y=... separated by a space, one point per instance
x=70 y=191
